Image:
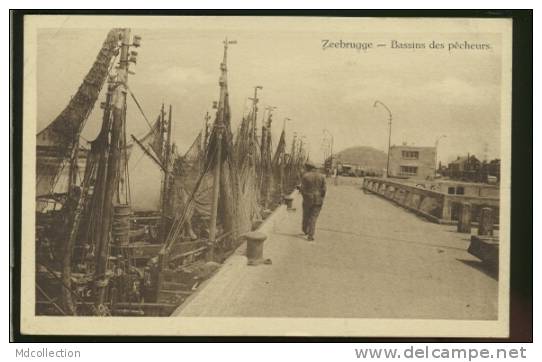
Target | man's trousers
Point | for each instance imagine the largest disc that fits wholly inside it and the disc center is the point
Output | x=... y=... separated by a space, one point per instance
x=310 y=215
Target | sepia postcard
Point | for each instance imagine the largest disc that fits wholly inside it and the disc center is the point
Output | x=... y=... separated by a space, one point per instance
x=266 y=176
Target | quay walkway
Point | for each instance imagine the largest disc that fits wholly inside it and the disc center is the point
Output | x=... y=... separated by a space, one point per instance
x=371 y=259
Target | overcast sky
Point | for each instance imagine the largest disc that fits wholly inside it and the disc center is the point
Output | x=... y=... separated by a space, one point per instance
x=430 y=93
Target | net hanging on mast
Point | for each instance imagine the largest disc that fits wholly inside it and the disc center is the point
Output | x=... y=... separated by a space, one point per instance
x=56 y=143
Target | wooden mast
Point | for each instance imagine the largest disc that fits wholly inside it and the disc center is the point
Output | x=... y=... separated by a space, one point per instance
x=292 y=162
x=167 y=161
x=219 y=128
x=87 y=94
x=206 y=128
x=118 y=110
x=67 y=251
x=265 y=156
x=253 y=126
x=282 y=158
x=161 y=157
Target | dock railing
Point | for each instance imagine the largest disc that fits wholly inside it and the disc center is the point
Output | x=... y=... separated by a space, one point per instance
x=436 y=206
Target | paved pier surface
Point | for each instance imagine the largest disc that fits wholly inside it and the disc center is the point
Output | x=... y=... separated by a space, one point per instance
x=371 y=259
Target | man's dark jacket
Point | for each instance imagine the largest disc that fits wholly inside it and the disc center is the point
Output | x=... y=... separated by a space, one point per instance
x=313 y=188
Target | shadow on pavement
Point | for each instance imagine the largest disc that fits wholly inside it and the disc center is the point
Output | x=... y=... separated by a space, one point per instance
x=294 y=235
x=481 y=266
x=387 y=238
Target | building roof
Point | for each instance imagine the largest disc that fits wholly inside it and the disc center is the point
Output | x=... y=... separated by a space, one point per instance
x=463 y=159
x=459 y=160
x=413 y=147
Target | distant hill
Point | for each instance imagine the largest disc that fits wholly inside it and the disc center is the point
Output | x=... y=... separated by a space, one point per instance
x=366 y=157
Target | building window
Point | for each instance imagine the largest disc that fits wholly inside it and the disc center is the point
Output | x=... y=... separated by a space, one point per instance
x=410 y=155
x=409 y=171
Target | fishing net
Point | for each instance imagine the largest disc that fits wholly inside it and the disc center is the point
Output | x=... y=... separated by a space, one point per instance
x=61 y=136
x=248 y=175
x=247 y=165
x=187 y=169
x=278 y=165
x=267 y=185
x=194 y=181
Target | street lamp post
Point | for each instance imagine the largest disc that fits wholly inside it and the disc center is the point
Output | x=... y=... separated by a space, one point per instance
x=325 y=150
x=436 y=149
x=330 y=146
x=389 y=136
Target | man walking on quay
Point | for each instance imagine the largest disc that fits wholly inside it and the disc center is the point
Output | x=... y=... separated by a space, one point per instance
x=313 y=189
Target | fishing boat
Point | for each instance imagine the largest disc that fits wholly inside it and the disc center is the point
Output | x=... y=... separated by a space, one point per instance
x=103 y=249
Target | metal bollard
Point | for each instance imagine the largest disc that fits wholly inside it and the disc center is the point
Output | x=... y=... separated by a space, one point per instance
x=464 y=222
x=485 y=224
x=266 y=213
x=256 y=224
x=255 y=242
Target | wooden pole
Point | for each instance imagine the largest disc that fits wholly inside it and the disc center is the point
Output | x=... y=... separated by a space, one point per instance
x=216 y=192
x=67 y=251
x=254 y=118
x=167 y=159
x=292 y=164
x=111 y=180
x=67 y=299
x=161 y=157
x=162 y=128
x=282 y=161
x=148 y=153
x=218 y=127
